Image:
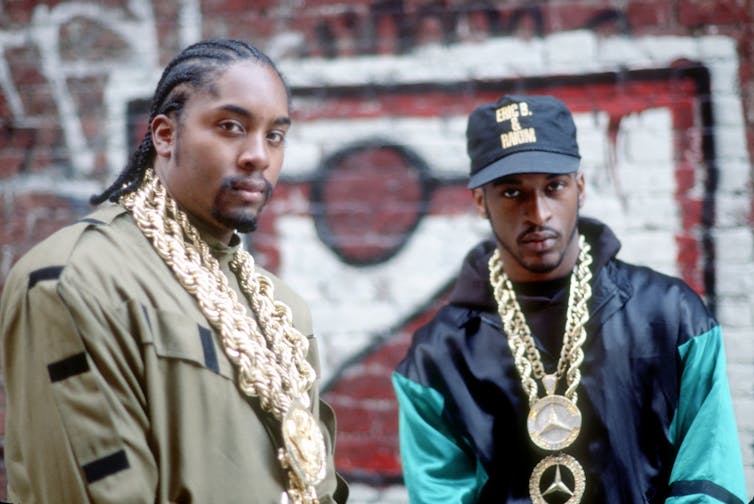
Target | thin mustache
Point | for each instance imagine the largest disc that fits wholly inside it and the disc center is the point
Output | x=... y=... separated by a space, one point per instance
x=540 y=230
x=232 y=182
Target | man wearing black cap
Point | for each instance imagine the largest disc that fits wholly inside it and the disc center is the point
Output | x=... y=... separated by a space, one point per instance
x=558 y=373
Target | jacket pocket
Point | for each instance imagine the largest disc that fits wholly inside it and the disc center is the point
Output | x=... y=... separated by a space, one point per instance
x=178 y=337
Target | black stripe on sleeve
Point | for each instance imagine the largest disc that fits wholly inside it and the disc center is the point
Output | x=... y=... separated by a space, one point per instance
x=101 y=468
x=49 y=273
x=146 y=316
x=692 y=487
x=208 y=346
x=70 y=366
x=90 y=220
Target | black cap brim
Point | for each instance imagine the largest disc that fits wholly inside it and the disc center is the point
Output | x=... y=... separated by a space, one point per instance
x=525 y=162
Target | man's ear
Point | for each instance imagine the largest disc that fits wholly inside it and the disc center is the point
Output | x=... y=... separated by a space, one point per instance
x=478 y=195
x=163 y=130
x=581 y=186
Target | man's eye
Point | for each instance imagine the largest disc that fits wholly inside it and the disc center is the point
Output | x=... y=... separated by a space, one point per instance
x=510 y=193
x=276 y=137
x=232 y=126
x=556 y=186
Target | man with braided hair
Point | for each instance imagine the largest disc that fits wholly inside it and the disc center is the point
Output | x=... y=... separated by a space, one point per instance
x=146 y=358
x=558 y=373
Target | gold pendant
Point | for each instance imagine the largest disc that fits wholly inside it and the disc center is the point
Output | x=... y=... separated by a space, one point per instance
x=554 y=422
x=304 y=452
x=574 y=491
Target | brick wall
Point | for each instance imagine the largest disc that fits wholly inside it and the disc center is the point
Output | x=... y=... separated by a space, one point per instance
x=372 y=216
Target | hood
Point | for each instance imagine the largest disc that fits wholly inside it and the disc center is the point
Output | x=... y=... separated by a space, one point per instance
x=473 y=290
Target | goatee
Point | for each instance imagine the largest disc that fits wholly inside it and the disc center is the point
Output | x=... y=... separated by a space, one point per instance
x=241 y=221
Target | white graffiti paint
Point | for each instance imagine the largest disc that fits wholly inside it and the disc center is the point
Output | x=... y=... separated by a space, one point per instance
x=134 y=24
x=378 y=300
x=353 y=306
x=635 y=197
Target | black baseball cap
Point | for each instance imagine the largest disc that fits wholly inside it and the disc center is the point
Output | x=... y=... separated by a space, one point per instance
x=521 y=134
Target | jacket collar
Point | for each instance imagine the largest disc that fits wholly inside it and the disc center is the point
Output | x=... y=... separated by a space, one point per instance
x=472 y=288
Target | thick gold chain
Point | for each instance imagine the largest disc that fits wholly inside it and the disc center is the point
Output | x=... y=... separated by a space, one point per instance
x=269 y=353
x=526 y=356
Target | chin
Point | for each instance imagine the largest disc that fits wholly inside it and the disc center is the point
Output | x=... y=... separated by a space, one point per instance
x=240 y=222
x=542 y=266
x=541 y=269
x=246 y=227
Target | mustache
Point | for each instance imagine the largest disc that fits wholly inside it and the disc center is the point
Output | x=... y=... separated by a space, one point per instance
x=236 y=182
x=538 y=233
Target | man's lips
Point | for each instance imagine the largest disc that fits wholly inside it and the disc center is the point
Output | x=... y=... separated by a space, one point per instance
x=249 y=185
x=538 y=241
x=250 y=190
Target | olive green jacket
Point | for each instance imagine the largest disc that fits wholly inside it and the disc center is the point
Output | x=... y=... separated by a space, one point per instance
x=118 y=389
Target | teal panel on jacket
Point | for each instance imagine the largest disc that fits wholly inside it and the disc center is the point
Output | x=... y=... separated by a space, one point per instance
x=436 y=468
x=708 y=467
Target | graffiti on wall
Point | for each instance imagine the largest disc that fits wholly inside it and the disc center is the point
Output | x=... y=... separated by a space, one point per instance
x=372 y=216
x=70 y=43
x=76 y=42
x=620 y=114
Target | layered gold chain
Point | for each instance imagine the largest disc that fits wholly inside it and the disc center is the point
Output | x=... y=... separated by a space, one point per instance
x=554 y=421
x=526 y=356
x=269 y=353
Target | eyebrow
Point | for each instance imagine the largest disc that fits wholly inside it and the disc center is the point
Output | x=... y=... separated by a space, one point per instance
x=247 y=114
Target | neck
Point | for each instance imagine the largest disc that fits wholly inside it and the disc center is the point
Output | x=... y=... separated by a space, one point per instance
x=209 y=234
x=542 y=288
x=209 y=229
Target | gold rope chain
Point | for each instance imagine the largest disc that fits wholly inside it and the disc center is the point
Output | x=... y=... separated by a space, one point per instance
x=526 y=356
x=270 y=355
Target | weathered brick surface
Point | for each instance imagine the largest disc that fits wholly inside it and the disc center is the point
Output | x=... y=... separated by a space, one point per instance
x=31 y=217
x=668 y=155
x=696 y=13
x=650 y=16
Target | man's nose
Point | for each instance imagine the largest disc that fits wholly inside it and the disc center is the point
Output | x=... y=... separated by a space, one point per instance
x=539 y=210
x=255 y=155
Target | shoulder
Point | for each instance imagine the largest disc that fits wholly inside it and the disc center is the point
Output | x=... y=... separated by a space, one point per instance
x=645 y=280
x=436 y=341
x=89 y=252
x=659 y=296
x=448 y=322
x=55 y=251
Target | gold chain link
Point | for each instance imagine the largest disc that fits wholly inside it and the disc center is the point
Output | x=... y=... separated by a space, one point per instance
x=269 y=353
x=525 y=354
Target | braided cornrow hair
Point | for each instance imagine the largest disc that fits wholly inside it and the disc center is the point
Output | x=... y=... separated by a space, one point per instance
x=194 y=67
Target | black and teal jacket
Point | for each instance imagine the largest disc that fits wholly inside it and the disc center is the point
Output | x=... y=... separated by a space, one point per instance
x=657 y=419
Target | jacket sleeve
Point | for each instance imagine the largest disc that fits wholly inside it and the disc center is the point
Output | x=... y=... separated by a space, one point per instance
x=436 y=467
x=708 y=467
x=75 y=425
